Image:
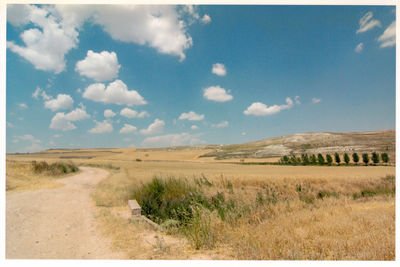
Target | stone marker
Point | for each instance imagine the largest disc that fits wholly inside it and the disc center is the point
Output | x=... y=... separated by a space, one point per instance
x=134 y=206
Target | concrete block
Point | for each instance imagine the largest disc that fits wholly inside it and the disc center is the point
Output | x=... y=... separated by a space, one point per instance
x=134 y=207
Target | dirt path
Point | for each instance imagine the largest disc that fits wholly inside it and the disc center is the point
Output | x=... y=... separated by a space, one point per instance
x=57 y=223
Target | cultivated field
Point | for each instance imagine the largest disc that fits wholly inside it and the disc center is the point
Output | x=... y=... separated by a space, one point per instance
x=239 y=211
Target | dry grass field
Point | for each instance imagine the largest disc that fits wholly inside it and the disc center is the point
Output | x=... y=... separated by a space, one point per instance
x=269 y=211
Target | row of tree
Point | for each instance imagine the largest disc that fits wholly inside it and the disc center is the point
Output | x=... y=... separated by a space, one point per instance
x=305 y=159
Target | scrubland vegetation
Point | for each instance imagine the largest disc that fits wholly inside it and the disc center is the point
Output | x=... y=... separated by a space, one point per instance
x=36 y=175
x=212 y=210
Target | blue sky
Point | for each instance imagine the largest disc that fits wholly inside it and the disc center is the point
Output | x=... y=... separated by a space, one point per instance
x=179 y=75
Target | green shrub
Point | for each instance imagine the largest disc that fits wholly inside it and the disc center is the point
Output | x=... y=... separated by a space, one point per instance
x=321 y=160
x=375 y=158
x=57 y=168
x=356 y=158
x=329 y=159
x=365 y=158
x=337 y=158
x=346 y=158
x=385 y=157
x=313 y=159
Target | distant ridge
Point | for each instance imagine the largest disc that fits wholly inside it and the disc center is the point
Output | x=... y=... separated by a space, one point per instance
x=311 y=143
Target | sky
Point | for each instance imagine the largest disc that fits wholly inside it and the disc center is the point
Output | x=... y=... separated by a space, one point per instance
x=147 y=76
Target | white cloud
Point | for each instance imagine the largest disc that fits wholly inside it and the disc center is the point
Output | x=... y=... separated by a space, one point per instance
x=222 y=124
x=128 y=113
x=191 y=116
x=116 y=93
x=57 y=135
x=40 y=92
x=46 y=42
x=217 y=93
x=10 y=125
x=108 y=113
x=33 y=148
x=367 y=23
x=359 y=48
x=143 y=114
x=219 y=69
x=128 y=129
x=99 y=66
x=172 y=140
x=22 y=105
x=315 y=100
x=297 y=100
x=60 y=122
x=388 y=38
x=159 y=27
x=194 y=127
x=102 y=127
x=62 y=101
x=244 y=133
x=206 y=19
x=156 y=127
x=260 y=109
x=77 y=115
x=29 y=137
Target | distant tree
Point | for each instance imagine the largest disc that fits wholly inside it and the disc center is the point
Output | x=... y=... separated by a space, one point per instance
x=313 y=159
x=293 y=160
x=321 y=160
x=385 y=157
x=375 y=158
x=329 y=159
x=356 y=158
x=346 y=158
x=365 y=158
x=305 y=160
x=337 y=158
x=284 y=160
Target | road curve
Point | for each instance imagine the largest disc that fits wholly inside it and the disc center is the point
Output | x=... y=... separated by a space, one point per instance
x=57 y=223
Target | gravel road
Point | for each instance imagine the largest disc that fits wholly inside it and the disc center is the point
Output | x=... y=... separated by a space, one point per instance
x=57 y=223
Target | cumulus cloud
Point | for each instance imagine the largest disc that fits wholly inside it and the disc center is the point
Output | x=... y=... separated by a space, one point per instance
x=108 y=113
x=40 y=92
x=217 y=93
x=172 y=140
x=222 y=124
x=156 y=127
x=191 y=116
x=128 y=113
x=62 y=121
x=218 y=69
x=359 y=48
x=159 y=27
x=388 y=38
x=128 y=129
x=100 y=67
x=22 y=105
x=10 y=125
x=206 y=19
x=260 y=109
x=77 y=115
x=115 y=93
x=62 y=101
x=47 y=40
x=367 y=23
x=194 y=127
x=102 y=127
x=315 y=100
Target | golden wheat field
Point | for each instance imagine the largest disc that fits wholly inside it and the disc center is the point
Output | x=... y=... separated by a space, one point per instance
x=268 y=212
